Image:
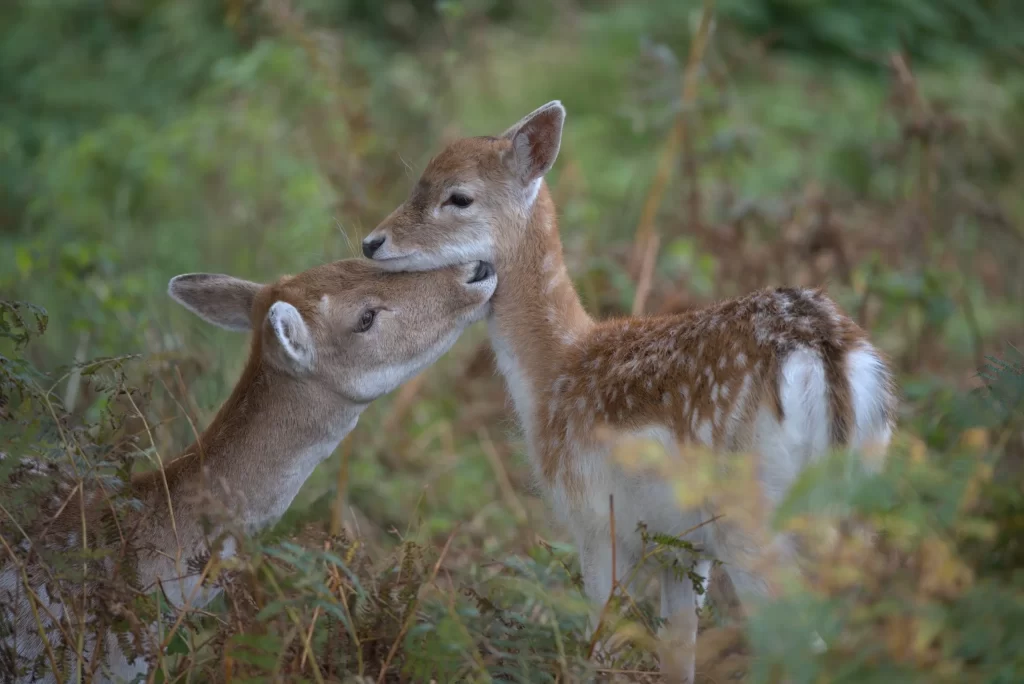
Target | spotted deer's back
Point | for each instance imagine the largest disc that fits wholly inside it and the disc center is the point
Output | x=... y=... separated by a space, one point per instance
x=700 y=375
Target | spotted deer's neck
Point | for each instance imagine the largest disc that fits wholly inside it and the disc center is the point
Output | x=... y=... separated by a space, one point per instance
x=537 y=315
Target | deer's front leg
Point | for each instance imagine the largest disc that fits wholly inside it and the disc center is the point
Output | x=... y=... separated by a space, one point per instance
x=596 y=563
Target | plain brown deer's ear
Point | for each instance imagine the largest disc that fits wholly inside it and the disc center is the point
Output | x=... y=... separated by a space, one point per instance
x=535 y=141
x=219 y=299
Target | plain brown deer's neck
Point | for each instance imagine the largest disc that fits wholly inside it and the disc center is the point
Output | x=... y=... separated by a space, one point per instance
x=537 y=315
x=262 y=445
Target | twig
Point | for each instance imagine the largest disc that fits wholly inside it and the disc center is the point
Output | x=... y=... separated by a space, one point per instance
x=342 y=485
x=862 y=310
x=611 y=593
x=611 y=525
x=71 y=392
x=971 y=318
x=414 y=607
x=350 y=624
x=309 y=637
x=646 y=226
x=612 y=670
x=268 y=573
x=182 y=611
x=643 y=286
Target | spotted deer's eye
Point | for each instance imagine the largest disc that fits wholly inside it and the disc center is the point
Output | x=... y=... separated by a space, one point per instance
x=366 y=320
x=459 y=200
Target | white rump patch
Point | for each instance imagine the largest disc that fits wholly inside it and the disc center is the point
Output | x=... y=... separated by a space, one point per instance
x=866 y=373
x=704 y=433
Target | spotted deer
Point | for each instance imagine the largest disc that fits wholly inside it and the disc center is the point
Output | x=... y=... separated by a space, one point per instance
x=325 y=343
x=782 y=374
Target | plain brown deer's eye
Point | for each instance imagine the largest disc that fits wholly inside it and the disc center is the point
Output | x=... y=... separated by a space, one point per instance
x=366 y=320
x=459 y=200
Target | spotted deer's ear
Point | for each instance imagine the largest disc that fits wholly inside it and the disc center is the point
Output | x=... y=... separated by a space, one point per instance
x=288 y=338
x=535 y=142
x=219 y=299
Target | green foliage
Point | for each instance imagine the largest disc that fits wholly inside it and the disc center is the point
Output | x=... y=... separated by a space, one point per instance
x=933 y=30
x=19 y=323
x=142 y=140
x=48 y=458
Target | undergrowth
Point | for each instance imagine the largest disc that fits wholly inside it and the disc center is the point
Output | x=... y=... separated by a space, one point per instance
x=937 y=596
x=870 y=149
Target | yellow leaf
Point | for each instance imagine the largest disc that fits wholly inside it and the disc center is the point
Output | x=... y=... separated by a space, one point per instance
x=926 y=631
x=975 y=439
x=918 y=451
x=859 y=282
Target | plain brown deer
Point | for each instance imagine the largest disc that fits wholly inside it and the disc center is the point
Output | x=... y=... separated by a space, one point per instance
x=325 y=343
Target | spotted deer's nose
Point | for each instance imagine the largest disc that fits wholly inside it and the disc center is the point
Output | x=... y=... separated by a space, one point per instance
x=371 y=245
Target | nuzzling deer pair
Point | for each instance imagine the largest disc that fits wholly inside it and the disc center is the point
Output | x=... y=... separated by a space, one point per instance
x=782 y=374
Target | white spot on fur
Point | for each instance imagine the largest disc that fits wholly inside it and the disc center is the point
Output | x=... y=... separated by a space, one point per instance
x=531 y=196
x=553 y=284
x=704 y=433
x=549 y=263
x=739 y=406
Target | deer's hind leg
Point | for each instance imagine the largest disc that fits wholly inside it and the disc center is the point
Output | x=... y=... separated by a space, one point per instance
x=677 y=640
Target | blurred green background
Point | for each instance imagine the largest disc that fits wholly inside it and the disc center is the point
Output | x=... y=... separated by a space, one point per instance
x=873 y=147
